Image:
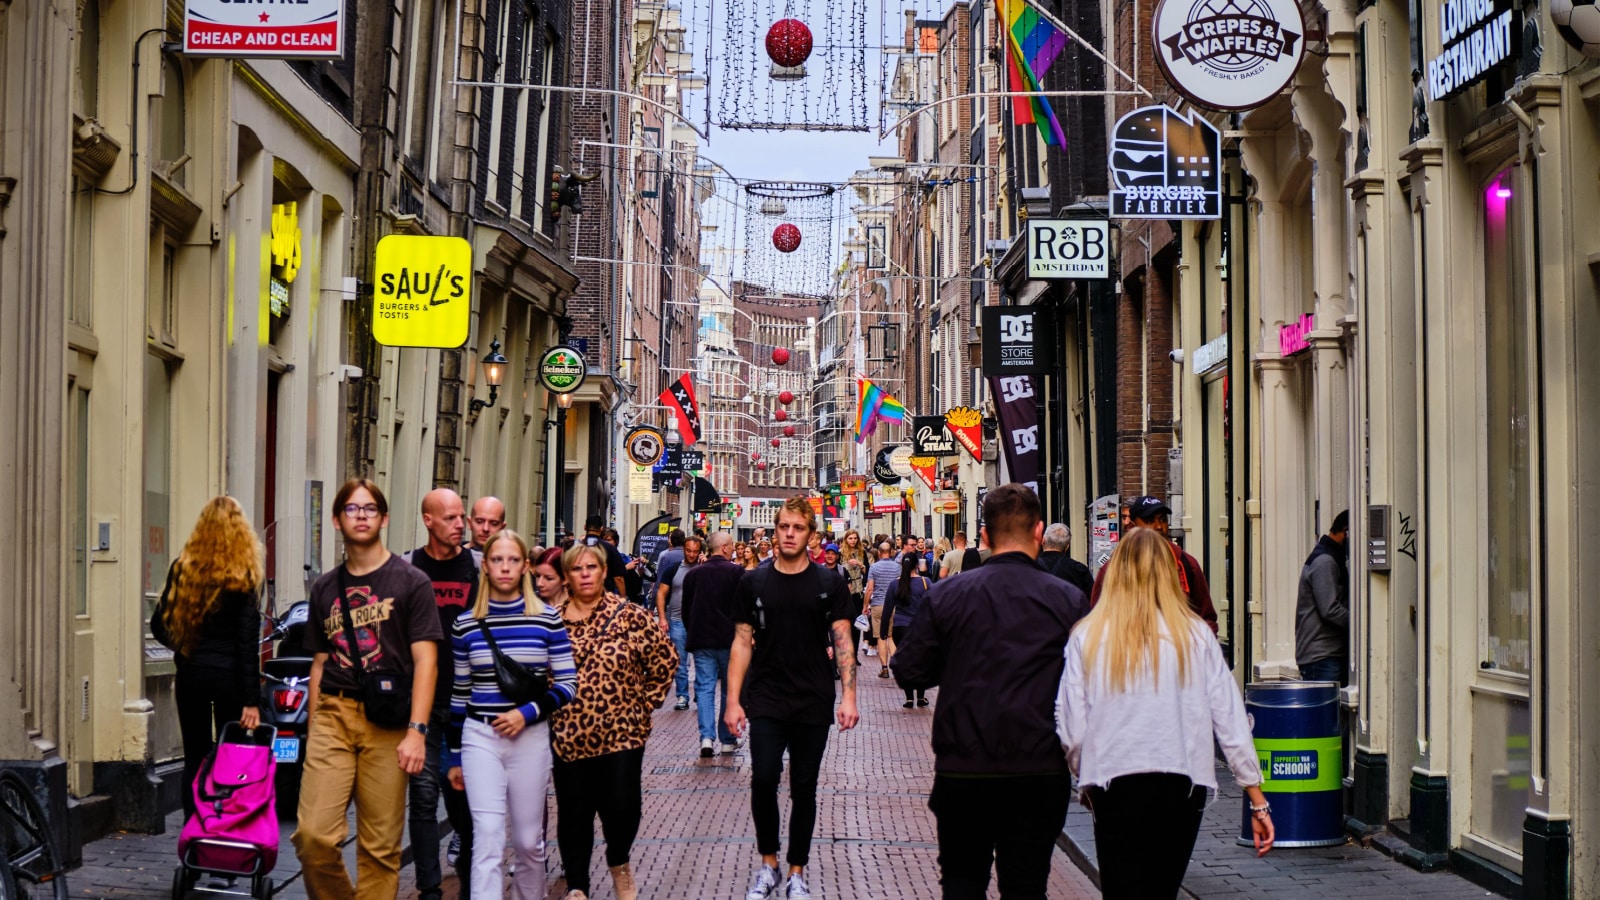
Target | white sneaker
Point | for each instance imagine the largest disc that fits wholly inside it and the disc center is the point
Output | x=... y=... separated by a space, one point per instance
x=707 y=747
x=731 y=747
x=871 y=652
x=764 y=884
x=796 y=888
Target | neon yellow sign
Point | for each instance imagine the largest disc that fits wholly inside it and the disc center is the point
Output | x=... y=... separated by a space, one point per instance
x=286 y=241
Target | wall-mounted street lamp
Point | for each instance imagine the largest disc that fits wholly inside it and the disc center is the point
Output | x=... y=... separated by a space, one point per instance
x=494 y=369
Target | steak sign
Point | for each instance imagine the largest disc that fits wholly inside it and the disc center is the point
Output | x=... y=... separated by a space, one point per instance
x=288 y=29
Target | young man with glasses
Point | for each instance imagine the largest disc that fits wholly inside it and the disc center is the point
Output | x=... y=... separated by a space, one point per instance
x=786 y=616
x=374 y=630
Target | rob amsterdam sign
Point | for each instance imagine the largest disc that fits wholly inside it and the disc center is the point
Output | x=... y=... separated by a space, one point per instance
x=1071 y=248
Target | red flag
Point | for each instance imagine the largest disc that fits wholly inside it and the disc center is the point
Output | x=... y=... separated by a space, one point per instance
x=680 y=399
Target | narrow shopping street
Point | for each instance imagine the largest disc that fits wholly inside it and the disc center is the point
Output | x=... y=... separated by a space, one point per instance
x=875 y=836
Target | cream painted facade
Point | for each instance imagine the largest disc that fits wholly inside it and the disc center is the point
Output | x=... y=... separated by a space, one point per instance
x=1441 y=390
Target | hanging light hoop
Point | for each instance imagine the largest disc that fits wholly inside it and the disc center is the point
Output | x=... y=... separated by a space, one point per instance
x=790 y=190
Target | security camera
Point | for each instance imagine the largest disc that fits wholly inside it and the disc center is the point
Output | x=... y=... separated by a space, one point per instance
x=1176 y=356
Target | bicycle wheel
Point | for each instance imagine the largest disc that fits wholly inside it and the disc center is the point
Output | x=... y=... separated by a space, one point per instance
x=30 y=851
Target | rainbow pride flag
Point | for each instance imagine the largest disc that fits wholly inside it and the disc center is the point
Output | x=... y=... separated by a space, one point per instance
x=874 y=404
x=1032 y=45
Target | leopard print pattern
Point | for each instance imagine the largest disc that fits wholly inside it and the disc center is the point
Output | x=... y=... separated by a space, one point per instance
x=623 y=676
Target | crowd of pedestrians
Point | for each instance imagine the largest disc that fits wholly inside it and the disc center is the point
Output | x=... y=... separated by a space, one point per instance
x=477 y=672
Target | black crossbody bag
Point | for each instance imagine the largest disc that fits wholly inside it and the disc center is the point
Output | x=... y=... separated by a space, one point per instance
x=521 y=684
x=385 y=695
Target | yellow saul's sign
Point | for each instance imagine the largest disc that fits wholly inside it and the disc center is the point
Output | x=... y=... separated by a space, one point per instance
x=423 y=291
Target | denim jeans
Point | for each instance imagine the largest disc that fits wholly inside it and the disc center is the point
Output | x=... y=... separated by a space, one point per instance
x=424 y=791
x=1331 y=668
x=679 y=634
x=711 y=669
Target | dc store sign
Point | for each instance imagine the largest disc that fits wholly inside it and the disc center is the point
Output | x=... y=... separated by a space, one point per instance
x=1165 y=165
x=1011 y=340
x=1229 y=54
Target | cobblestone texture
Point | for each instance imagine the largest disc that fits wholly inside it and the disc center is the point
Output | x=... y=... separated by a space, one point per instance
x=875 y=837
x=1222 y=868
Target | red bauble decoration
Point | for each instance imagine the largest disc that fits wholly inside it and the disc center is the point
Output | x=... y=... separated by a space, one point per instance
x=780 y=415
x=788 y=431
x=786 y=398
x=762 y=466
x=786 y=238
x=755 y=457
x=789 y=42
x=776 y=442
x=780 y=356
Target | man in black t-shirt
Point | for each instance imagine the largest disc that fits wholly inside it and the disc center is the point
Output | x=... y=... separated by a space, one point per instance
x=616 y=566
x=453 y=569
x=786 y=616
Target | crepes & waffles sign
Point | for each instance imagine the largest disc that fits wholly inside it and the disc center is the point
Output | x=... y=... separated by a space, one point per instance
x=1229 y=54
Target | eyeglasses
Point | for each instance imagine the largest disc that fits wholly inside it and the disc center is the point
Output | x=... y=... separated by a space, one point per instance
x=361 y=511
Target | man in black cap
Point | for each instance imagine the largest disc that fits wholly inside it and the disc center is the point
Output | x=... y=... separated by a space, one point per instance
x=1149 y=512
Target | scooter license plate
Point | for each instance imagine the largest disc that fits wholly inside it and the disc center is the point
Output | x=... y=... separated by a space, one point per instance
x=286 y=749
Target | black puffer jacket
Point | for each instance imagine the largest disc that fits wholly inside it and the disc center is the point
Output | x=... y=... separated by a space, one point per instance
x=229 y=645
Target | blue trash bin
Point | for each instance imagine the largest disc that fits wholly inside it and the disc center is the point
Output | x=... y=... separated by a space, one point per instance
x=1296 y=730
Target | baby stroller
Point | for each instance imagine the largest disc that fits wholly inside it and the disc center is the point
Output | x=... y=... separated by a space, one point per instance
x=234 y=830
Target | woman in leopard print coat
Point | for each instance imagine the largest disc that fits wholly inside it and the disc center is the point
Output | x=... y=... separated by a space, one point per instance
x=625 y=665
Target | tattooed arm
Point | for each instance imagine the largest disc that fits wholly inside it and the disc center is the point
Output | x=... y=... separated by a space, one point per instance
x=844 y=655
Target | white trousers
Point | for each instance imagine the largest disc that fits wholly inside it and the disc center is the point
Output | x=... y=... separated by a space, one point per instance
x=506 y=778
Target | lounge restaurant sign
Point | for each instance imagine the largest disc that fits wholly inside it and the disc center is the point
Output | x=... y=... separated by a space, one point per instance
x=1476 y=36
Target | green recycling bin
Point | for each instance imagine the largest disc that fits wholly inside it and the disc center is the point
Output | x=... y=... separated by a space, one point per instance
x=1296 y=729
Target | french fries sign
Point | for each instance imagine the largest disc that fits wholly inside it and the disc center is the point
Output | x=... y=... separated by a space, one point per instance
x=423 y=293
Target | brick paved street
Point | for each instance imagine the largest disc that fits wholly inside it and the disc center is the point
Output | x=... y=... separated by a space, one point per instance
x=875 y=836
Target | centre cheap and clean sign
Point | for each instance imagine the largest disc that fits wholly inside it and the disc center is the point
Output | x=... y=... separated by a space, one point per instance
x=423 y=291
x=295 y=29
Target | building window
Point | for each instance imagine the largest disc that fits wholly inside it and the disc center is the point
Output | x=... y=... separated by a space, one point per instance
x=162 y=299
x=419 y=98
x=173 y=121
x=493 y=157
x=78 y=500
x=547 y=109
x=154 y=540
x=80 y=308
x=528 y=185
x=1509 y=554
x=89 y=60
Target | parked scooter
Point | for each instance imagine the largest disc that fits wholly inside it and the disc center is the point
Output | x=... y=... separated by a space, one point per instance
x=285 y=687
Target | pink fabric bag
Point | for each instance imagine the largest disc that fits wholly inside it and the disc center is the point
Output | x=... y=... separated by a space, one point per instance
x=234 y=804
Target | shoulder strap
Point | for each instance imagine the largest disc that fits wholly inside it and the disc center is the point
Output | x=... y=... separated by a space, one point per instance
x=349 y=625
x=606 y=626
x=488 y=635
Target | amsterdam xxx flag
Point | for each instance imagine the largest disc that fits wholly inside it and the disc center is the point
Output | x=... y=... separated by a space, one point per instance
x=680 y=399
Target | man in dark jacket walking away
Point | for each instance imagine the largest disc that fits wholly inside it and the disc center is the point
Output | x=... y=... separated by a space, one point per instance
x=1149 y=512
x=1057 y=559
x=1322 y=612
x=992 y=641
x=708 y=592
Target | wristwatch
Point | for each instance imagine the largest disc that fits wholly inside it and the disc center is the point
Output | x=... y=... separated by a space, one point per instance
x=419 y=727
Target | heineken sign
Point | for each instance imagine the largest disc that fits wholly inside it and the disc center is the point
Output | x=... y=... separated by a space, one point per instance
x=562 y=370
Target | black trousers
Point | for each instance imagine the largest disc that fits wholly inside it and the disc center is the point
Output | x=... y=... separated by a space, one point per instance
x=609 y=786
x=1008 y=823
x=206 y=702
x=769 y=738
x=899 y=634
x=422 y=807
x=1144 y=831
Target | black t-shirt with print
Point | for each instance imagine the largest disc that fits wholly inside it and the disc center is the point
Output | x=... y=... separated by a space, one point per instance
x=455 y=589
x=790 y=676
x=391 y=607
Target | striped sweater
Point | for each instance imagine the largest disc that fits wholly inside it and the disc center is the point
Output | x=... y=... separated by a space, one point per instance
x=531 y=640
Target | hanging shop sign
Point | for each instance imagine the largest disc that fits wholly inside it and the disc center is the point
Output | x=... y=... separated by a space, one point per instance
x=1014 y=340
x=887 y=499
x=645 y=444
x=1475 y=38
x=900 y=461
x=1016 y=403
x=947 y=503
x=303 y=29
x=423 y=291
x=881 y=470
x=1166 y=165
x=1210 y=355
x=853 y=484
x=1069 y=248
x=1295 y=336
x=639 y=483
x=1229 y=56
x=928 y=437
x=927 y=469
x=965 y=424
x=694 y=460
x=562 y=369
x=284 y=242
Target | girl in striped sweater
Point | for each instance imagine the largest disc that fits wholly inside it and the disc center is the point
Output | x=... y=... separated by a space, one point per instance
x=499 y=751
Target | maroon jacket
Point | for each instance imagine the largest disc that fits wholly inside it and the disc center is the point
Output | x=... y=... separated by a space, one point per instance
x=1190 y=577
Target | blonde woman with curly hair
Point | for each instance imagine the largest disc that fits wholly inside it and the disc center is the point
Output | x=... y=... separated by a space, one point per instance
x=1144 y=690
x=208 y=618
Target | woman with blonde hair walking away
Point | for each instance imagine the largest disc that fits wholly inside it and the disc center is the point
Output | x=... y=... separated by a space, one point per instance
x=1144 y=690
x=625 y=665
x=208 y=617
x=499 y=738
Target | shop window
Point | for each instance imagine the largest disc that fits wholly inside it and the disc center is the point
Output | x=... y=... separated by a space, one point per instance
x=1506 y=628
x=89 y=60
x=155 y=537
